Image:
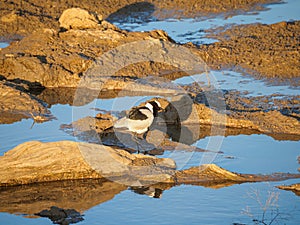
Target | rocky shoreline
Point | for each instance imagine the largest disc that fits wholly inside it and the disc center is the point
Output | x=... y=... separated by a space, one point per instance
x=56 y=51
x=59 y=59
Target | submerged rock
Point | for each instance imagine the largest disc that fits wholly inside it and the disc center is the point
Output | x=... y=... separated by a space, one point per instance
x=220 y=177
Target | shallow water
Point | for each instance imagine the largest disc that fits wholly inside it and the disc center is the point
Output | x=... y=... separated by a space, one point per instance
x=188 y=204
x=243 y=153
x=192 y=29
x=230 y=80
x=3 y=44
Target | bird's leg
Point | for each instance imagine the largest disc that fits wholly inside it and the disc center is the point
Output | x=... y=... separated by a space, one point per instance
x=134 y=138
x=137 y=138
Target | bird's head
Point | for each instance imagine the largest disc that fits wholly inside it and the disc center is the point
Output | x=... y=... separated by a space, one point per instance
x=154 y=106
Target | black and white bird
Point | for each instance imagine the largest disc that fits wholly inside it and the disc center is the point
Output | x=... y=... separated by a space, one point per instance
x=139 y=119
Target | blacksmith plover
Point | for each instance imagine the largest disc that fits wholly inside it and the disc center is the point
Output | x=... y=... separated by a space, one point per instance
x=139 y=119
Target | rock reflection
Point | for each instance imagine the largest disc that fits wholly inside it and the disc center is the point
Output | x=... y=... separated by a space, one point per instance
x=79 y=195
x=61 y=216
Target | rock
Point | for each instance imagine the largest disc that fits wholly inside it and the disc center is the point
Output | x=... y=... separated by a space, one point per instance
x=62 y=59
x=293 y=187
x=189 y=125
x=215 y=176
x=77 y=18
x=83 y=194
x=35 y=161
x=16 y=104
x=9 y=18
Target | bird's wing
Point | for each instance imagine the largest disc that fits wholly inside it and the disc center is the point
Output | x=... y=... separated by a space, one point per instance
x=136 y=114
x=121 y=123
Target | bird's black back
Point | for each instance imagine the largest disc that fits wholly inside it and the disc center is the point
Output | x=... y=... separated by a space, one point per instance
x=136 y=114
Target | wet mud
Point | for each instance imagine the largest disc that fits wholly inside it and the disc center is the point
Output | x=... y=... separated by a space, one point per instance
x=58 y=59
x=53 y=58
x=263 y=50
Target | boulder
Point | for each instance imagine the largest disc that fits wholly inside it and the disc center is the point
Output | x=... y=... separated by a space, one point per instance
x=77 y=18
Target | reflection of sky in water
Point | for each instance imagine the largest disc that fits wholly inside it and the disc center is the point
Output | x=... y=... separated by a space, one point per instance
x=13 y=134
x=50 y=131
x=3 y=44
x=185 y=30
x=192 y=205
x=253 y=154
x=185 y=204
x=230 y=80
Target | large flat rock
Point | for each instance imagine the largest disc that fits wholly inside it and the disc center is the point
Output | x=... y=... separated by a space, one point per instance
x=35 y=161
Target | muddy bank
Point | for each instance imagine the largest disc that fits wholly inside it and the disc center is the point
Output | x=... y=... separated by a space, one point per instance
x=274 y=114
x=64 y=57
x=53 y=58
x=270 y=51
x=17 y=104
x=19 y=18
